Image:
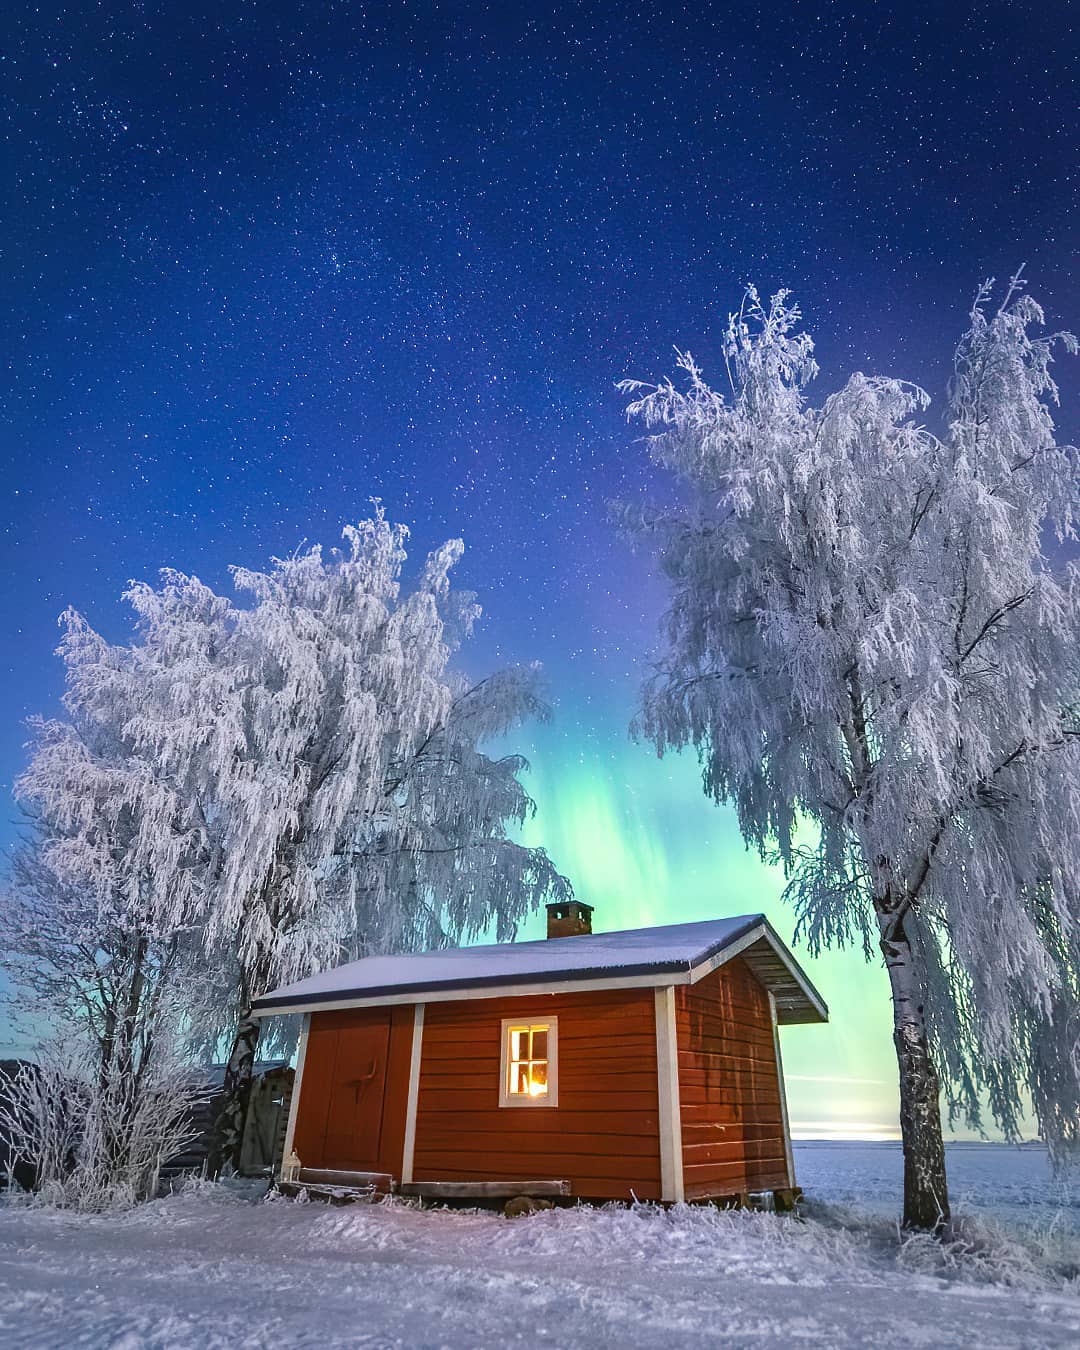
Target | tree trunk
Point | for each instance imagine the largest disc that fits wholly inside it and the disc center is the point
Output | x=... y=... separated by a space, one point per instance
x=236 y=1093
x=926 y=1195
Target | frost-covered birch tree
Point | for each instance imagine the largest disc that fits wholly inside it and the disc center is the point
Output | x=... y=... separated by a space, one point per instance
x=874 y=629
x=107 y=890
x=101 y=910
x=334 y=758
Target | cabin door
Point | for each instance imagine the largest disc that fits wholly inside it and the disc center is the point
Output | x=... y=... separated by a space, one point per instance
x=357 y=1092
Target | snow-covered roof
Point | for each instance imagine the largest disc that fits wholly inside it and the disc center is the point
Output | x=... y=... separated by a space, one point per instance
x=678 y=953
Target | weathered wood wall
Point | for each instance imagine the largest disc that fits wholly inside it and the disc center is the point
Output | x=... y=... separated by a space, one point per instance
x=603 y=1136
x=729 y=1084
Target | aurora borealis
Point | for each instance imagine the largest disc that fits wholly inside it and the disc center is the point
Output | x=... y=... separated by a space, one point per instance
x=643 y=845
x=265 y=262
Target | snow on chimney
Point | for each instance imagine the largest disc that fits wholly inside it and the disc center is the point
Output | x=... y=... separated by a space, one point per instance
x=569 y=918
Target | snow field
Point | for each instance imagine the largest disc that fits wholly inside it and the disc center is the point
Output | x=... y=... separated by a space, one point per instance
x=211 y=1267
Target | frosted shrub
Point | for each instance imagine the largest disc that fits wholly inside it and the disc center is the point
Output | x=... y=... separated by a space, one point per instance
x=96 y=1138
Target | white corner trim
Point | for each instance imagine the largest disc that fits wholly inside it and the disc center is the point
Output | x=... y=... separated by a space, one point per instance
x=789 y=1157
x=551 y=1097
x=413 y=1098
x=667 y=1080
x=298 y=1078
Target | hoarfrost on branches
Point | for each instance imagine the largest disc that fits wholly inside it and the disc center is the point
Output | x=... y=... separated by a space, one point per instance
x=96 y=1137
x=334 y=756
x=867 y=633
x=104 y=896
x=297 y=779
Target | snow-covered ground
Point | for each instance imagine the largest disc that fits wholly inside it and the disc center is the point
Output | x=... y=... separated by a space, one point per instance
x=1012 y=1185
x=210 y=1267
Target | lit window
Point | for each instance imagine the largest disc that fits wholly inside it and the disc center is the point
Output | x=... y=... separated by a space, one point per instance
x=529 y=1067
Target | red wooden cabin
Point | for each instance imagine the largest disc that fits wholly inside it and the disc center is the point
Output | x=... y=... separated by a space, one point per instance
x=637 y=1064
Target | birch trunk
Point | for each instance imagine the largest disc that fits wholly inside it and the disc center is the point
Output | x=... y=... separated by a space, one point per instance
x=236 y=1094
x=926 y=1195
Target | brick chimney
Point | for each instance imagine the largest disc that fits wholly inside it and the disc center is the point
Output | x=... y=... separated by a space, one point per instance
x=569 y=918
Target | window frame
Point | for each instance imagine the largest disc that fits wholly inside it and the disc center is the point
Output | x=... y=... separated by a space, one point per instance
x=551 y=1096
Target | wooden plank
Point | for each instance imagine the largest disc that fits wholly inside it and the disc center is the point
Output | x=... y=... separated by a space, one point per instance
x=483 y=1190
x=313 y=1101
x=332 y=1195
x=526 y=1003
x=701 y=1091
x=328 y=1176
x=761 y=1166
x=585 y=1077
x=574 y=1080
x=705 y=1113
x=499 y=1141
x=480 y=1026
x=584 y=1187
x=667 y=1080
x=454 y=1094
x=736 y=1043
x=694 y=1001
x=462 y=1122
x=697 y=1135
x=721 y=1188
x=746 y=1197
x=294 y=1102
x=734 y=1150
x=731 y=1066
x=588 y=1049
x=717 y=1022
x=721 y=1103
x=625 y=1033
x=465 y=1162
x=408 y=1147
x=395 y=1104
x=449 y=1054
x=789 y=1157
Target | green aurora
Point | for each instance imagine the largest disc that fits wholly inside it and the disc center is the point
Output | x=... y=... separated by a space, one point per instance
x=641 y=843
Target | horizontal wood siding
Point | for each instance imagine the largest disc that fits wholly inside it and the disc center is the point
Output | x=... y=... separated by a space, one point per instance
x=603 y=1136
x=729 y=1086
x=320 y=1066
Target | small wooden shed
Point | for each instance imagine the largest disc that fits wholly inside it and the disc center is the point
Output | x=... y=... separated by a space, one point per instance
x=643 y=1063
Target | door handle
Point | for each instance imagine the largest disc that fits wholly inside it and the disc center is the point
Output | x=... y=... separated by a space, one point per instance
x=357 y=1084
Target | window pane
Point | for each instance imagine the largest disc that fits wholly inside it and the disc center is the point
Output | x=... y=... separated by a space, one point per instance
x=526 y=1063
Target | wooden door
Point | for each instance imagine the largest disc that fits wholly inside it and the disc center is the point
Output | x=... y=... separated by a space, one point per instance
x=354 y=1117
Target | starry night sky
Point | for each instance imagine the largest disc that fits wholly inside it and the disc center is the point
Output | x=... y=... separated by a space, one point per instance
x=263 y=262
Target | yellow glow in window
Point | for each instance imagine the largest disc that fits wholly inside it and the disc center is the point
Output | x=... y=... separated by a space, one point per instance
x=527 y=1061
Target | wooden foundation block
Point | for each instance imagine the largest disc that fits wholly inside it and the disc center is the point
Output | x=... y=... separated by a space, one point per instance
x=483 y=1190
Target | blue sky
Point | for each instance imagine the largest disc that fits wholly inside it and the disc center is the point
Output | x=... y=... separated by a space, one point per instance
x=265 y=262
